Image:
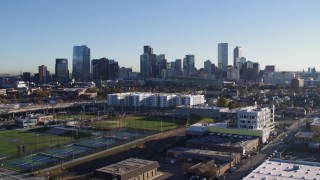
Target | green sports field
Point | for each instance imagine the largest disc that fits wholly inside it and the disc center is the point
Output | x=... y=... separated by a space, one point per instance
x=9 y=141
x=148 y=123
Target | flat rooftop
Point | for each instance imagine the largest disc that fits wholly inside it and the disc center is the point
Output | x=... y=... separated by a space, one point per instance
x=200 y=151
x=285 y=170
x=252 y=109
x=222 y=139
x=203 y=107
x=127 y=166
x=203 y=127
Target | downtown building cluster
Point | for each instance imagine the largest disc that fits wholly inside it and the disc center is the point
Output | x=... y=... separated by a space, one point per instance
x=151 y=66
x=156 y=66
x=161 y=100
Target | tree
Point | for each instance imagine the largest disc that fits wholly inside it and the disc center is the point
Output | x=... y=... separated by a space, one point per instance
x=232 y=105
x=92 y=90
x=222 y=102
x=41 y=93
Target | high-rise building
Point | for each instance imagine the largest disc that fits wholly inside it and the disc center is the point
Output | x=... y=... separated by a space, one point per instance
x=270 y=68
x=177 y=68
x=81 y=63
x=250 y=71
x=148 y=63
x=161 y=64
x=43 y=74
x=242 y=61
x=207 y=66
x=104 y=69
x=113 y=69
x=61 y=70
x=147 y=50
x=223 y=58
x=26 y=76
x=237 y=54
x=124 y=72
x=188 y=66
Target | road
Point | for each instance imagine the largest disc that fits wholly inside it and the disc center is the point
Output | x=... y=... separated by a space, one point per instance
x=256 y=160
x=47 y=106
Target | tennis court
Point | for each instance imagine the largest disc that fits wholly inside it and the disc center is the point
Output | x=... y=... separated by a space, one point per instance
x=127 y=134
x=32 y=162
x=98 y=142
x=68 y=151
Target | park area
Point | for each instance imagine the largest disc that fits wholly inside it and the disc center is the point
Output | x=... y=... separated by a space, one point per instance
x=49 y=146
x=79 y=148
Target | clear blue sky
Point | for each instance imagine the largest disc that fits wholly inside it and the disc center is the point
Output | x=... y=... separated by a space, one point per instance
x=285 y=33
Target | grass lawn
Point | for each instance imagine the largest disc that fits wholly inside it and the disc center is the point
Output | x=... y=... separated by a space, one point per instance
x=194 y=120
x=9 y=140
x=152 y=123
x=109 y=124
x=76 y=133
x=149 y=123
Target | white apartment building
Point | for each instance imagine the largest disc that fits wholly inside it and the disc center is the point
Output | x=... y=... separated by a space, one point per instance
x=257 y=118
x=281 y=78
x=162 y=100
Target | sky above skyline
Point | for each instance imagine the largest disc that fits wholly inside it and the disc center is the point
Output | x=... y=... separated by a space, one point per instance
x=282 y=33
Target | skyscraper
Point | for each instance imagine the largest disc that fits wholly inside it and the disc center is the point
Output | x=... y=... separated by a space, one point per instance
x=223 y=58
x=104 y=69
x=207 y=66
x=148 y=63
x=188 y=65
x=237 y=54
x=43 y=74
x=177 y=68
x=147 y=50
x=113 y=69
x=161 y=64
x=81 y=63
x=61 y=70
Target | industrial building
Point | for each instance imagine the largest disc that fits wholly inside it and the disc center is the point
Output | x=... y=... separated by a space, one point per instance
x=205 y=163
x=129 y=169
x=187 y=154
x=202 y=129
x=30 y=120
x=285 y=170
x=225 y=142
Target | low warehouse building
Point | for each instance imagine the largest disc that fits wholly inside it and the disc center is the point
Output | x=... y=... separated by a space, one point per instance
x=129 y=169
x=187 y=154
x=225 y=142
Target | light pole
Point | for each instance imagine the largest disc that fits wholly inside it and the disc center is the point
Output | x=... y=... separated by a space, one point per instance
x=1 y=171
x=37 y=141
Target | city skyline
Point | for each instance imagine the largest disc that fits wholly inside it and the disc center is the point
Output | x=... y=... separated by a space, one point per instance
x=276 y=33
